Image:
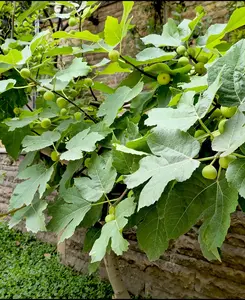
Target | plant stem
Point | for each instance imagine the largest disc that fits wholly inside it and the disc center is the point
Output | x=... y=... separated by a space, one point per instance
x=112 y=269
x=60 y=20
x=215 y=157
x=121 y=197
x=67 y=99
x=219 y=171
x=205 y=128
x=12 y=25
x=50 y=21
x=208 y=158
x=238 y=155
x=12 y=211
x=28 y=106
x=92 y=93
x=138 y=69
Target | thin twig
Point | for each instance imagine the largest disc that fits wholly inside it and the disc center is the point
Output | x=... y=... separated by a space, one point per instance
x=50 y=21
x=60 y=20
x=12 y=28
x=67 y=99
x=138 y=69
x=92 y=93
x=12 y=211
x=29 y=107
x=121 y=197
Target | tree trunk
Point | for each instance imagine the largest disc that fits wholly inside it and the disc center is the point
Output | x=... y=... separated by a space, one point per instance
x=61 y=248
x=111 y=264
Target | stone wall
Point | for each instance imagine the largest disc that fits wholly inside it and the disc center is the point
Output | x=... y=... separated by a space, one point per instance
x=182 y=272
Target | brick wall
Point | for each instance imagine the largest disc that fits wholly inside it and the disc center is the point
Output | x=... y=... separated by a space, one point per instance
x=181 y=272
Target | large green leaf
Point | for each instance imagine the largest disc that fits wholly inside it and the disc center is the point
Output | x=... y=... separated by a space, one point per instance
x=236 y=20
x=83 y=141
x=212 y=30
x=12 y=139
x=233 y=135
x=15 y=123
x=36 y=177
x=67 y=216
x=62 y=50
x=33 y=143
x=39 y=40
x=126 y=160
x=33 y=214
x=112 y=68
x=113 y=102
x=174 y=151
x=171 y=36
x=151 y=234
x=217 y=218
x=235 y=175
x=152 y=55
x=102 y=176
x=112 y=31
x=35 y=7
x=111 y=231
x=77 y=68
x=182 y=117
x=189 y=200
x=232 y=91
x=180 y=207
x=12 y=57
x=83 y=35
x=71 y=168
x=6 y=85
x=186 y=113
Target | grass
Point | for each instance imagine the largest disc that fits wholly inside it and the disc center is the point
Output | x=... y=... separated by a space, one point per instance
x=30 y=269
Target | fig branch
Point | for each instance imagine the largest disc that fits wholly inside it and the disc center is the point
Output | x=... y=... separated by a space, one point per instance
x=67 y=99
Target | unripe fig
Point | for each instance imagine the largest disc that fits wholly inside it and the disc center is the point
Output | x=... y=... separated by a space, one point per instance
x=163 y=78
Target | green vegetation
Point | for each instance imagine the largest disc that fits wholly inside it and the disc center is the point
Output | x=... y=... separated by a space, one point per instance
x=30 y=269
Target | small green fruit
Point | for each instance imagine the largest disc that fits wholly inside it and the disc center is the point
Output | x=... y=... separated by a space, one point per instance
x=209 y=172
x=17 y=110
x=63 y=111
x=199 y=132
x=200 y=68
x=191 y=52
x=163 y=78
x=72 y=31
x=88 y=82
x=183 y=61
x=25 y=73
x=228 y=112
x=181 y=50
x=217 y=113
x=111 y=210
x=78 y=116
x=46 y=123
x=61 y=102
x=48 y=96
x=202 y=58
x=54 y=155
x=114 y=55
x=109 y=218
x=225 y=161
x=221 y=125
x=72 y=21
